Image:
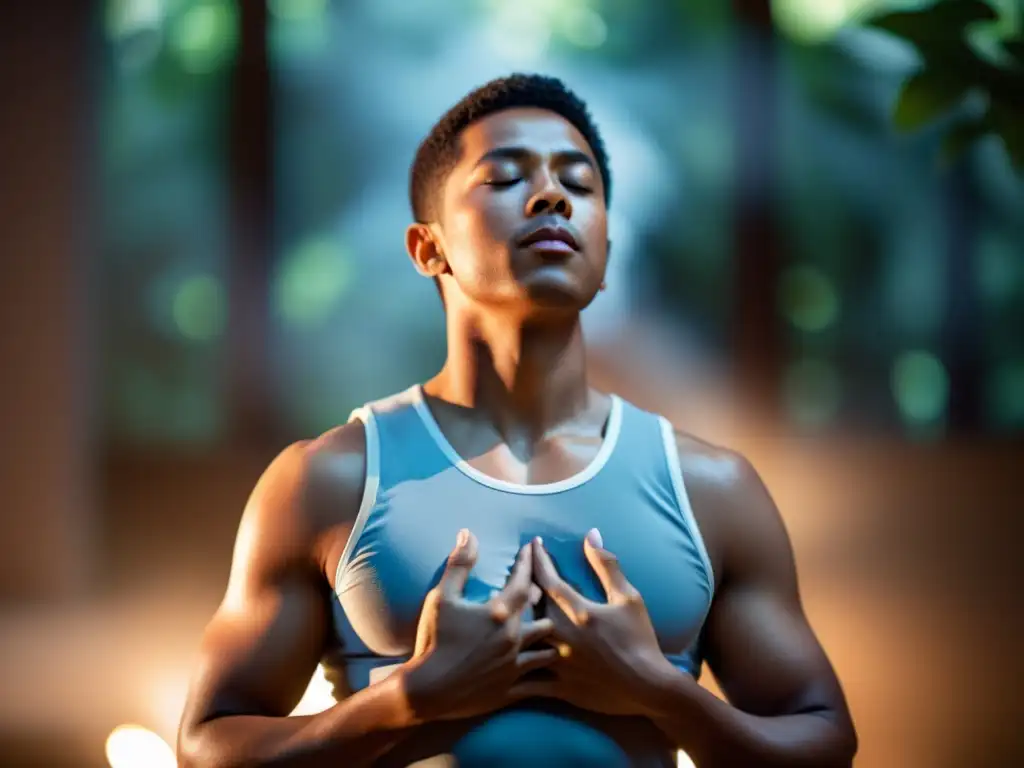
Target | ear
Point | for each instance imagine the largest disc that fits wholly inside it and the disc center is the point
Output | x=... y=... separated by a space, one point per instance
x=427 y=257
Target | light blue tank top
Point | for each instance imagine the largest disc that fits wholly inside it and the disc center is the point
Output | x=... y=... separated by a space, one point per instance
x=419 y=493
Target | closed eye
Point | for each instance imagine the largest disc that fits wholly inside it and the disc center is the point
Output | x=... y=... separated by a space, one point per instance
x=502 y=183
x=576 y=187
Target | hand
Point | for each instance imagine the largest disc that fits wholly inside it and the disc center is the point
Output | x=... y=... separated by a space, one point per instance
x=469 y=657
x=610 y=657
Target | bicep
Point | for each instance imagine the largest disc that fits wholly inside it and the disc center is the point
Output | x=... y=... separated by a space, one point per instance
x=257 y=657
x=759 y=643
x=765 y=655
x=263 y=644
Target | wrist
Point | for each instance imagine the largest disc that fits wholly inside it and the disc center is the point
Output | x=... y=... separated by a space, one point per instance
x=415 y=686
x=662 y=688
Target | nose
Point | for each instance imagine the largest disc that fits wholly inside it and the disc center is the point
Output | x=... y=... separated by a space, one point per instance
x=549 y=199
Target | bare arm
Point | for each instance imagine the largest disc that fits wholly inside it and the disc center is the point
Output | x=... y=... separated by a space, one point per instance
x=786 y=707
x=263 y=644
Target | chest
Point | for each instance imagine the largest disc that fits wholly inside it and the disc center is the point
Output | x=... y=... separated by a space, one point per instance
x=400 y=552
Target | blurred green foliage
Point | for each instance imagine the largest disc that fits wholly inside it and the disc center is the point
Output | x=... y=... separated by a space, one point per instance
x=967 y=47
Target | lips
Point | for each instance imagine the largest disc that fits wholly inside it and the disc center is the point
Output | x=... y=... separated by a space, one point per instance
x=550 y=239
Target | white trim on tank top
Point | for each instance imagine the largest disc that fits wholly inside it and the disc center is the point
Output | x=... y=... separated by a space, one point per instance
x=370 y=486
x=611 y=437
x=668 y=436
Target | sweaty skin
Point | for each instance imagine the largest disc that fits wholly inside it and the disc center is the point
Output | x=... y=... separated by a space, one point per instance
x=513 y=396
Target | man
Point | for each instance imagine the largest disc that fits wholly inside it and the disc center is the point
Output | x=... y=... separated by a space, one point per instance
x=599 y=557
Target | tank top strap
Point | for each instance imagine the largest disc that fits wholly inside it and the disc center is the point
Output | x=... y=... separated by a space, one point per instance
x=403 y=444
x=647 y=452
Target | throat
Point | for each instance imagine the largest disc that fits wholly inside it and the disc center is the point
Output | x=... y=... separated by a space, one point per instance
x=571 y=451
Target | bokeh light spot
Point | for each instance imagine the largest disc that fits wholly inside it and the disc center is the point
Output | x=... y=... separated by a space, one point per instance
x=816 y=21
x=1005 y=395
x=132 y=746
x=520 y=31
x=812 y=391
x=199 y=308
x=297 y=10
x=204 y=35
x=920 y=386
x=129 y=17
x=312 y=280
x=999 y=272
x=808 y=298
x=584 y=27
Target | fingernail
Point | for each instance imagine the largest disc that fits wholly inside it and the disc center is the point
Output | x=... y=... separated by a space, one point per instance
x=594 y=537
x=539 y=541
x=462 y=538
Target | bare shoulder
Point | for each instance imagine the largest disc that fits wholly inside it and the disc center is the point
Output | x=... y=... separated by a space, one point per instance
x=716 y=470
x=305 y=500
x=736 y=515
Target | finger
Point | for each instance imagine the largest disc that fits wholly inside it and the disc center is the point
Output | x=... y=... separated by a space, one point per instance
x=460 y=563
x=535 y=631
x=517 y=589
x=572 y=603
x=530 y=661
x=535 y=594
x=606 y=566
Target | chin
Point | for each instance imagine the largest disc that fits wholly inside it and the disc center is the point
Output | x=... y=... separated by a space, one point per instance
x=560 y=299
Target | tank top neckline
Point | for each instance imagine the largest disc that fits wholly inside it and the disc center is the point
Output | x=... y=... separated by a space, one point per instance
x=611 y=437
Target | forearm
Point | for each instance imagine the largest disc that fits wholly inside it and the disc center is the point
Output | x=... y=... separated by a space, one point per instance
x=714 y=733
x=354 y=732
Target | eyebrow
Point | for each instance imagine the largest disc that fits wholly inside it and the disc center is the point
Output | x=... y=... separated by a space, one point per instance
x=564 y=157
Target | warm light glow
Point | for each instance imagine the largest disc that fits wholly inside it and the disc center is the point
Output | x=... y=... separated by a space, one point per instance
x=318 y=696
x=685 y=761
x=132 y=746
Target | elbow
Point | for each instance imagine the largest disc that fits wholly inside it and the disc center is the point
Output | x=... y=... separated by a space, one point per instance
x=189 y=749
x=846 y=748
x=196 y=749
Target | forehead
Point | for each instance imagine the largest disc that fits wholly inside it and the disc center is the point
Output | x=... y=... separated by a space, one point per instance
x=534 y=129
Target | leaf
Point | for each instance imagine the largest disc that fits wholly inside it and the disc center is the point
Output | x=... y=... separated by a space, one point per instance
x=1009 y=124
x=943 y=22
x=1015 y=48
x=926 y=96
x=960 y=137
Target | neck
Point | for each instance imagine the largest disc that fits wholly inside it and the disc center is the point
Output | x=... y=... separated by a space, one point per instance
x=521 y=377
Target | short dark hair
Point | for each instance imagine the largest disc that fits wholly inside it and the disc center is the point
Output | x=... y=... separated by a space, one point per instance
x=437 y=154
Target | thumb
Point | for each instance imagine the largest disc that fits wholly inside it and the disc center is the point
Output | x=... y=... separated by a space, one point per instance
x=465 y=551
x=460 y=563
x=606 y=566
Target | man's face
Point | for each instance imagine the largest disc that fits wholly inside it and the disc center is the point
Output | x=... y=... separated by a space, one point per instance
x=521 y=170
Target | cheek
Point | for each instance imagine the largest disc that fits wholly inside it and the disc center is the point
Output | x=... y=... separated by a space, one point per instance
x=479 y=222
x=593 y=226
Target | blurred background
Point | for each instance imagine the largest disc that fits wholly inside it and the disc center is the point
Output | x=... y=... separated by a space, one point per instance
x=819 y=261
